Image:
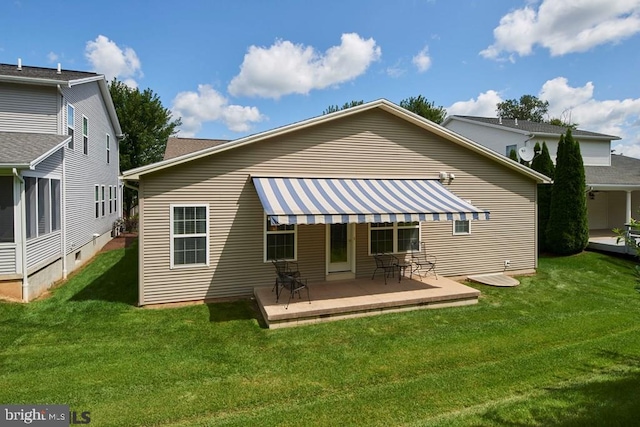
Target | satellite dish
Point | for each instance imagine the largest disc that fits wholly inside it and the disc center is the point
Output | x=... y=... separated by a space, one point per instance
x=526 y=154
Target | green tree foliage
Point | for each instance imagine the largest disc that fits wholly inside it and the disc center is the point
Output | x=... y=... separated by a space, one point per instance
x=422 y=107
x=559 y=122
x=513 y=155
x=529 y=107
x=568 y=230
x=542 y=163
x=333 y=108
x=146 y=126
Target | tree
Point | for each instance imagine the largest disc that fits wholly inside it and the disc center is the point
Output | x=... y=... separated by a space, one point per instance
x=146 y=126
x=559 y=122
x=513 y=155
x=542 y=163
x=333 y=108
x=422 y=107
x=529 y=107
x=568 y=229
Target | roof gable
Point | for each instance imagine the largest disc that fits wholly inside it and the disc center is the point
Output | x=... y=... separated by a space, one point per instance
x=177 y=147
x=26 y=150
x=381 y=104
x=528 y=127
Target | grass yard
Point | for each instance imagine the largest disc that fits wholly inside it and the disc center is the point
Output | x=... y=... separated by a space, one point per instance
x=563 y=348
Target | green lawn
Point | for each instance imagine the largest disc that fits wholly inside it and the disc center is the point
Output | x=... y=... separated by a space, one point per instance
x=563 y=348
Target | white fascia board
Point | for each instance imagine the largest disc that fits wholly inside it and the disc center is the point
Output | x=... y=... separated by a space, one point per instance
x=42 y=157
x=32 y=81
x=86 y=80
x=613 y=187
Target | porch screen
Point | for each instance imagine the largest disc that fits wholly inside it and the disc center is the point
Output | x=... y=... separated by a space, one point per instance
x=335 y=200
x=6 y=209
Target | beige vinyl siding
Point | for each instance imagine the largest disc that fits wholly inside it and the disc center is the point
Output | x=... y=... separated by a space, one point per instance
x=8 y=258
x=369 y=144
x=27 y=108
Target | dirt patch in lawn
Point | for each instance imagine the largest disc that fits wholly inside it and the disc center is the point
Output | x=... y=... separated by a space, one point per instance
x=122 y=241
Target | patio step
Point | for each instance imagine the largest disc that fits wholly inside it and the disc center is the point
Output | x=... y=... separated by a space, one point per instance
x=495 y=279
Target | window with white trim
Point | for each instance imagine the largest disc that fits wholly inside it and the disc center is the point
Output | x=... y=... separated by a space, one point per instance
x=511 y=148
x=97 y=200
x=110 y=199
x=71 y=117
x=393 y=237
x=189 y=235
x=85 y=135
x=102 y=201
x=108 y=148
x=280 y=241
x=461 y=227
x=43 y=206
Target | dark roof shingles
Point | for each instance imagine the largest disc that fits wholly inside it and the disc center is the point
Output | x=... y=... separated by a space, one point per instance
x=44 y=73
x=180 y=146
x=623 y=171
x=535 y=127
x=23 y=148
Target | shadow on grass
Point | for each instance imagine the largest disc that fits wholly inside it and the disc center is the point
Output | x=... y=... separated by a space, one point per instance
x=116 y=284
x=609 y=401
x=228 y=311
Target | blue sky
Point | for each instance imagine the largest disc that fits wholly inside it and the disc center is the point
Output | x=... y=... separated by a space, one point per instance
x=232 y=68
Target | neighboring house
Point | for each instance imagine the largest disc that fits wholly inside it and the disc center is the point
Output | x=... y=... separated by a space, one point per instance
x=614 y=180
x=59 y=166
x=329 y=192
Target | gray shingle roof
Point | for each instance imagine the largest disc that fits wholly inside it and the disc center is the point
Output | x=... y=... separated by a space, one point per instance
x=180 y=146
x=43 y=73
x=623 y=171
x=18 y=148
x=536 y=128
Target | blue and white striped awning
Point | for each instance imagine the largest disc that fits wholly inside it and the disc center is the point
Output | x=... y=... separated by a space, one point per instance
x=334 y=200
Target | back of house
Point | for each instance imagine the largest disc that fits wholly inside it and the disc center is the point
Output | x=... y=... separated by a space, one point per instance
x=59 y=167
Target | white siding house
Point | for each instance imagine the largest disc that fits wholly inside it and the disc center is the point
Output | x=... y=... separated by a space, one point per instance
x=59 y=192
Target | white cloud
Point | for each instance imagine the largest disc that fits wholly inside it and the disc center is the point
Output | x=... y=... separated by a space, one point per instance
x=208 y=105
x=107 y=58
x=564 y=26
x=484 y=105
x=613 y=117
x=52 y=56
x=286 y=68
x=422 y=60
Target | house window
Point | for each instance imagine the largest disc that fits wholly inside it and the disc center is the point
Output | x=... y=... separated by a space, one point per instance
x=511 y=148
x=85 y=135
x=42 y=206
x=280 y=241
x=393 y=237
x=6 y=210
x=97 y=200
x=461 y=227
x=189 y=235
x=102 y=201
x=71 y=116
x=108 y=148
x=111 y=199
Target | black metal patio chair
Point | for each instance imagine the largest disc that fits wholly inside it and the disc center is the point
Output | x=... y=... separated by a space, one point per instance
x=387 y=263
x=421 y=262
x=288 y=277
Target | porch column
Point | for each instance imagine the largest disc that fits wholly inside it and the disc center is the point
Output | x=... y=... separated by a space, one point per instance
x=628 y=216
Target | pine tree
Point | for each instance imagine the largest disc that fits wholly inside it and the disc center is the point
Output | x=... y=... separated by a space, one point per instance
x=542 y=163
x=513 y=155
x=568 y=230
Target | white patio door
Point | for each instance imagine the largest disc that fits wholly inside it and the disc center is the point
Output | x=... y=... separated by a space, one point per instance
x=340 y=248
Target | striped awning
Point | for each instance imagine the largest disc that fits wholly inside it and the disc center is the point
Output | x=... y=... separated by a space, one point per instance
x=335 y=200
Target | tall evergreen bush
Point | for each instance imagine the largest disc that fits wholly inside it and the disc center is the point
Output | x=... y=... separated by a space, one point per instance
x=542 y=163
x=567 y=231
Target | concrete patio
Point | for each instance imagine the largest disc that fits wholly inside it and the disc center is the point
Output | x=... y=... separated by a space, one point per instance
x=361 y=297
x=607 y=241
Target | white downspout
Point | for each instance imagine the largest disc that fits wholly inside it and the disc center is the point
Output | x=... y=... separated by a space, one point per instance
x=628 y=213
x=63 y=214
x=23 y=236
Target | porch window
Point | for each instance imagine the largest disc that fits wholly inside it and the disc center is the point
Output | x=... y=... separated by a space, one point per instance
x=393 y=237
x=6 y=210
x=189 y=235
x=71 y=116
x=43 y=205
x=461 y=227
x=280 y=241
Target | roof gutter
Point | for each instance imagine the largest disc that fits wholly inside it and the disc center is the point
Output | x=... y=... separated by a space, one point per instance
x=31 y=80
